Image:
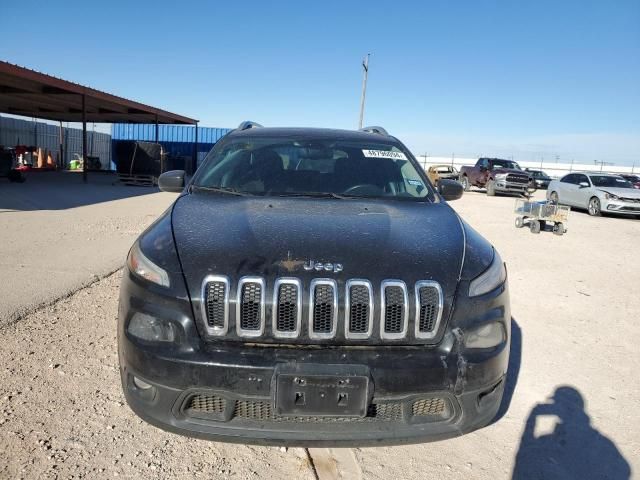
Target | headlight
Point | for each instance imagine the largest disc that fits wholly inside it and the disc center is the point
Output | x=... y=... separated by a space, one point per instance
x=611 y=196
x=145 y=268
x=151 y=328
x=501 y=176
x=490 y=279
x=486 y=336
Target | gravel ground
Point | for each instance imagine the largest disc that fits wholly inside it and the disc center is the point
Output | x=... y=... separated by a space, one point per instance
x=63 y=415
x=573 y=413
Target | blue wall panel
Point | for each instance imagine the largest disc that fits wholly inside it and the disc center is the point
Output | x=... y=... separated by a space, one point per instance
x=176 y=140
x=166 y=133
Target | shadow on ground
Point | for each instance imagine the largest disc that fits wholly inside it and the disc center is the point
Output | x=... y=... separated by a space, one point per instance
x=572 y=449
x=64 y=190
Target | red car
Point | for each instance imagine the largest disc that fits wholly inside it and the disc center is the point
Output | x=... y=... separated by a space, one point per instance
x=634 y=179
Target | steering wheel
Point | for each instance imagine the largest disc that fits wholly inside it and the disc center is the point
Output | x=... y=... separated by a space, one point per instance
x=367 y=187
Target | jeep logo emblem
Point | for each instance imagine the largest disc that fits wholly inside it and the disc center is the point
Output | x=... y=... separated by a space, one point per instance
x=319 y=266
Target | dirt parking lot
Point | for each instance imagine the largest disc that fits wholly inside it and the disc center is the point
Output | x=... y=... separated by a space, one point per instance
x=570 y=410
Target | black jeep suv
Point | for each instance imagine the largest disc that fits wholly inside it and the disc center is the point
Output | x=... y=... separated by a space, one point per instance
x=310 y=287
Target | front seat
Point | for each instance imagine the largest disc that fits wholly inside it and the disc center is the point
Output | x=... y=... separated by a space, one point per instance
x=264 y=173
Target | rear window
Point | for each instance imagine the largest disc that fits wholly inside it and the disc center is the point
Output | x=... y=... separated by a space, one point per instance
x=296 y=167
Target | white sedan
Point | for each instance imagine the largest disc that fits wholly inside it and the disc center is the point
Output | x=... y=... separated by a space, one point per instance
x=598 y=193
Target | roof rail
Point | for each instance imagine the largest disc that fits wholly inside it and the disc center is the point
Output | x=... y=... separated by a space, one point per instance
x=378 y=130
x=246 y=125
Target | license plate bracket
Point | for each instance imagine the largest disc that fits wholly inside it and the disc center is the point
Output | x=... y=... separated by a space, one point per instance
x=322 y=391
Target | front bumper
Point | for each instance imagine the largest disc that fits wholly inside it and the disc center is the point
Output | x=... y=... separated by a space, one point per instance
x=621 y=208
x=226 y=391
x=247 y=416
x=504 y=186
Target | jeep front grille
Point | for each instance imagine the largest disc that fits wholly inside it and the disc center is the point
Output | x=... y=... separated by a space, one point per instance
x=250 y=307
x=215 y=293
x=395 y=309
x=287 y=303
x=358 y=309
x=428 y=309
x=321 y=311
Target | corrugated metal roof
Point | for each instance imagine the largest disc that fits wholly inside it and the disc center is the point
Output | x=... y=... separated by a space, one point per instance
x=30 y=93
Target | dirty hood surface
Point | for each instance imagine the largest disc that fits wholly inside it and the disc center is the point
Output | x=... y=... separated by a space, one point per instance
x=274 y=236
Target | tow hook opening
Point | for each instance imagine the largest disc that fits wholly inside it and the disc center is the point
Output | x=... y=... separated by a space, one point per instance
x=143 y=390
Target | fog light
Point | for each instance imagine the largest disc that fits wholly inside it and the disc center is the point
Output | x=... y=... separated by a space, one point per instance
x=486 y=336
x=152 y=329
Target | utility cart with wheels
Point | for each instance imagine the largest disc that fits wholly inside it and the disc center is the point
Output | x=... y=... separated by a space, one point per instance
x=536 y=215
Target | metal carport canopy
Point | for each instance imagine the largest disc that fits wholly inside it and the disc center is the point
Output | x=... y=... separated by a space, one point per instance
x=29 y=93
x=33 y=94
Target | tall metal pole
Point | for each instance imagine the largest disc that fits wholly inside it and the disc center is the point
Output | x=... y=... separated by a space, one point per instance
x=85 y=163
x=194 y=165
x=61 y=160
x=365 y=66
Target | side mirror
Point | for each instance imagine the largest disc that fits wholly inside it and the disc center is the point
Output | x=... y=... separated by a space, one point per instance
x=171 y=181
x=450 y=189
x=584 y=184
x=483 y=169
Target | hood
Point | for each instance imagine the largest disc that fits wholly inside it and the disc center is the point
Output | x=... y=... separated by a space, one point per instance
x=621 y=192
x=510 y=170
x=275 y=236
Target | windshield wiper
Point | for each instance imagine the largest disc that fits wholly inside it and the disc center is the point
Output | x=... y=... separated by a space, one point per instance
x=227 y=190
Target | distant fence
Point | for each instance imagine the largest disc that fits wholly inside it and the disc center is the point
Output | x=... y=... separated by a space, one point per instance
x=15 y=131
x=553 y=169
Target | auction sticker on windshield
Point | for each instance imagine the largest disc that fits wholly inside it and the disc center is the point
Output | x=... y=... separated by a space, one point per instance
x=384 y=154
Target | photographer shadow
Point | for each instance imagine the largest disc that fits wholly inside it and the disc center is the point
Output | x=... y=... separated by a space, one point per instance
x=573 y=449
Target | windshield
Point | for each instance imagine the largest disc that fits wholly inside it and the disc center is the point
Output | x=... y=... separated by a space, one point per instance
x=505 y=164
x=609 y=181
x=281 y=166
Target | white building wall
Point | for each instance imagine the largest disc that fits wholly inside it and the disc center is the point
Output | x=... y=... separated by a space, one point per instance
x=553 y=169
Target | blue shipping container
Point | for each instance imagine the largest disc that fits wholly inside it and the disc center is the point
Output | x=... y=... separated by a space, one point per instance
x=166 y=133
x=176 y=140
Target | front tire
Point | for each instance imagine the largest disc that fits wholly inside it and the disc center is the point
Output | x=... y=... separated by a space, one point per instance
x=465 y=183
x=594 y=207
x=491 y=188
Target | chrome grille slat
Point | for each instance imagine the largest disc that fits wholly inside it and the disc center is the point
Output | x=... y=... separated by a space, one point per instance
x=358 y=308
x=250 y=308
x=429 y=303
x=323 y=309
x=215 y=304
x=287 y=308
x=394 y=311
